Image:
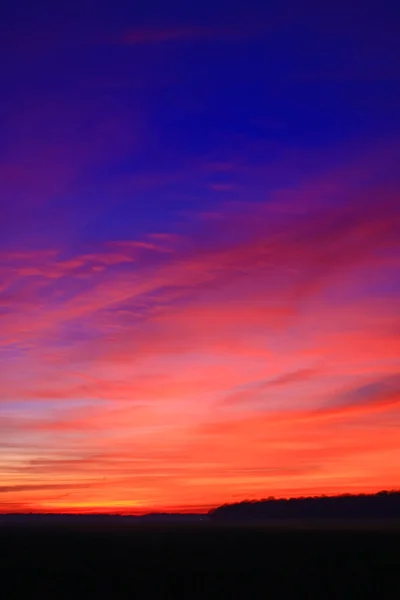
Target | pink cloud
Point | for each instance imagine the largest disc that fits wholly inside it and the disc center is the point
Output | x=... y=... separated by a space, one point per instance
x=257 y=351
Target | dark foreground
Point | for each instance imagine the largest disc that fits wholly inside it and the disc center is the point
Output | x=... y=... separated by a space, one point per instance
x=300 y=560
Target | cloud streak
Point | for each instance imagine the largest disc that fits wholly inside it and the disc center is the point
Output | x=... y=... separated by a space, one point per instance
x=255 y=350
x=234 y=32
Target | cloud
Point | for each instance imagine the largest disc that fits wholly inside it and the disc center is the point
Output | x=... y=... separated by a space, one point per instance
x=50 y=149
x=133 y=37
x=293 y=377
x=263 y=391
x=4 y=489
x=378 y=393
x=252 y=345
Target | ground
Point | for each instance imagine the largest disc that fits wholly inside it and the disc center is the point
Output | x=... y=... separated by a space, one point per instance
x=301 y=560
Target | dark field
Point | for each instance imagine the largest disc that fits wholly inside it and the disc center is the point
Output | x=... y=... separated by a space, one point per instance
x=300 y=560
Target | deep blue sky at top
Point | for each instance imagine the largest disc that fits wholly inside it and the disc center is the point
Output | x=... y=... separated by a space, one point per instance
x=120 y=118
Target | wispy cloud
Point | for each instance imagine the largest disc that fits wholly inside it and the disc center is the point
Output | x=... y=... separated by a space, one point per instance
x=136 y=36
x=259 y=339
x=4 y=489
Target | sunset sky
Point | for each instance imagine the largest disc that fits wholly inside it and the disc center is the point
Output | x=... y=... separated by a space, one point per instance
x=199 y=252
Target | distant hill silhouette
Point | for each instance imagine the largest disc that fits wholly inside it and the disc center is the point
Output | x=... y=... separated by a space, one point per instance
x=384 y=504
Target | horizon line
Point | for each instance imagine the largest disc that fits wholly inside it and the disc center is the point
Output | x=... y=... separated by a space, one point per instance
x=203 y=511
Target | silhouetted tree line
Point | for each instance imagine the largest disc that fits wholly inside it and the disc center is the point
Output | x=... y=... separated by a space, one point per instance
x=384 y=504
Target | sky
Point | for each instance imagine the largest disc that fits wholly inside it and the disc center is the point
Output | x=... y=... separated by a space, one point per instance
x=199 y=252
